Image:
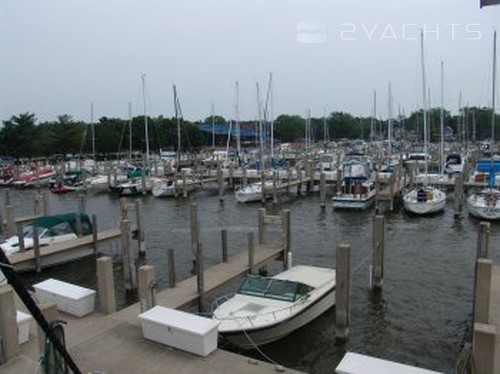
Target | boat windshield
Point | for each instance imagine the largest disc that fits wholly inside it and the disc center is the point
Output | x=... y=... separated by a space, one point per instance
x=270 y=288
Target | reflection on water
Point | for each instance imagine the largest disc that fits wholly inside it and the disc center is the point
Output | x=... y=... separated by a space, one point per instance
x=419 y=318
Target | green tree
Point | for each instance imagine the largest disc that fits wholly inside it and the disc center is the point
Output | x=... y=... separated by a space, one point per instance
x=18 y=134
x=289 y=128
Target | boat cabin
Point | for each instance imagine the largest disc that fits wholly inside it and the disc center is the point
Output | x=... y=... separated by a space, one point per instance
x=272 y=288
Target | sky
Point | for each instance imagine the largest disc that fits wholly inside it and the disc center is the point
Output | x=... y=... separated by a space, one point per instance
x=62 y=56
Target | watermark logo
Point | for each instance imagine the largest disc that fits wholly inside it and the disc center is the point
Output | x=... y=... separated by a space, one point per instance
x=312 y=31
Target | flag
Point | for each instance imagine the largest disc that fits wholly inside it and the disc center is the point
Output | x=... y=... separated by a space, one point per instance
x=488 y=2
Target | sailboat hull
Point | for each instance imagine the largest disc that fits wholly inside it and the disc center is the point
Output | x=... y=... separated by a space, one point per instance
x=485 y=205
x=434 y=201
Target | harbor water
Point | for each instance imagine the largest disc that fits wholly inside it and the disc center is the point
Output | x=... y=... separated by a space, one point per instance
x=420 y=318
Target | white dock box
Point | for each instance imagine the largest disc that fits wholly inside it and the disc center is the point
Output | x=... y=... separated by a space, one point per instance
x=23 y=326
x=181 y=330
x=69 y=298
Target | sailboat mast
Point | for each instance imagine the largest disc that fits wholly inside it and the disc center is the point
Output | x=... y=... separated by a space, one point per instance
x=92 y=128
x=176 y=110
x=441 y=125
x=237 y=113
x=259 y=115
x=146 y=134
x=389 y=125
x=212 y=112
x=424 y=92
x=372 y=126
x=494 y=68
x=130 y=132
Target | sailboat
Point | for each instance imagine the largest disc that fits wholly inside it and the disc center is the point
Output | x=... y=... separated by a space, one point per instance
x=485 y=204
x=424 y=199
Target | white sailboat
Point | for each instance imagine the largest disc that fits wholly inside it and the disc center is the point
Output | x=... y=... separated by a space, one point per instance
x=425 y=199
x=485 y=204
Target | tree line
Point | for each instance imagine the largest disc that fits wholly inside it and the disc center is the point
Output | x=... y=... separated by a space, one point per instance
x=24 y=136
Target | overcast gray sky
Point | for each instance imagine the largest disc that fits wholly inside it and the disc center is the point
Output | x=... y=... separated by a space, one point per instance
x=58 y=56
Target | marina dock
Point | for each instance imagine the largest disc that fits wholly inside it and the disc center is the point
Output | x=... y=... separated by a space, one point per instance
x=114 y=342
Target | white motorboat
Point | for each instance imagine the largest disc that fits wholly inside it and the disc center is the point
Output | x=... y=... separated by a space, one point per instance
x=424 y=200
x=357 y=190
x=165 y=187
x=266 y=309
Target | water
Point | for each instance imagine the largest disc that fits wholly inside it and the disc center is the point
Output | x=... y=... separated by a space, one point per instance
x=419 y=318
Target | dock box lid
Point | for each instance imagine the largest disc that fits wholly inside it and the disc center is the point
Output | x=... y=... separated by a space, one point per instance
x=65 y=289
x=181 y=320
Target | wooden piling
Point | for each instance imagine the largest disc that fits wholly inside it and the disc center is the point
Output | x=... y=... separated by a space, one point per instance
x=483 y=240
x=275 y=187
x=261 y=213
x=322 y=190
x=342 y=310
x=78 y=223
x=184 y=184
x=378 y=245
x=36 y=249
x=140 y=229
x=146 y=287
x=82 y=206
x=20 y=236
x=8 y=323
x=200 y=278
x=220 y=181
x=94 y=235
x=338 y=183
x=244 y=180
x=224 y=245
x=126 y=258
x=45 y=203
x=171 y=268
x=195 y=231
x=9 y=215
x=287 y=237
x=482 y=290
x=106 y=285
x=37 y=199
x=251 y=254
x=458 y=194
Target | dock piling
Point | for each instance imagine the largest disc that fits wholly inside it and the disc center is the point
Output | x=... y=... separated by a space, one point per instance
x=36 y=249
x=378 y=245
x=322 y=190
x=171 y=268
x=126 y=260
x=483 y=348
x=8 y=324
x=200 y=278
x=483 y=240
x=224 y=244
x=51 y=314
x=261 y=213
x=251 y=254
x=20 y=236
x=342 y=310
x=146 y=285
x=140 y=229
x=106 y=285
x=482 y=290
x=287 y=237
x=94 y=234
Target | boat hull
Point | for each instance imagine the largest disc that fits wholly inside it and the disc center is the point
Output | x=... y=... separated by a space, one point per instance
x=413 y=205
x=480 y=206
x=249 y=338
x=353 y=202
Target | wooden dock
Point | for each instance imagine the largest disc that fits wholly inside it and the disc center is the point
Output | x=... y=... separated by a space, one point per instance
x=64 y=252
x=389 y=190
x=114 y=343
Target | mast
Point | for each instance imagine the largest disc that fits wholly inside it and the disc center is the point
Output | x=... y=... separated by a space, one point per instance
x=146 y=134
x=259 y=119
x=441 y=150
x=494 y=68
x=389 y=125
x=130 y=132
x=372 y=127
x=212 y=112
x=237 y=113
x=424 y=92
x=176 y=110
x=92 y=128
